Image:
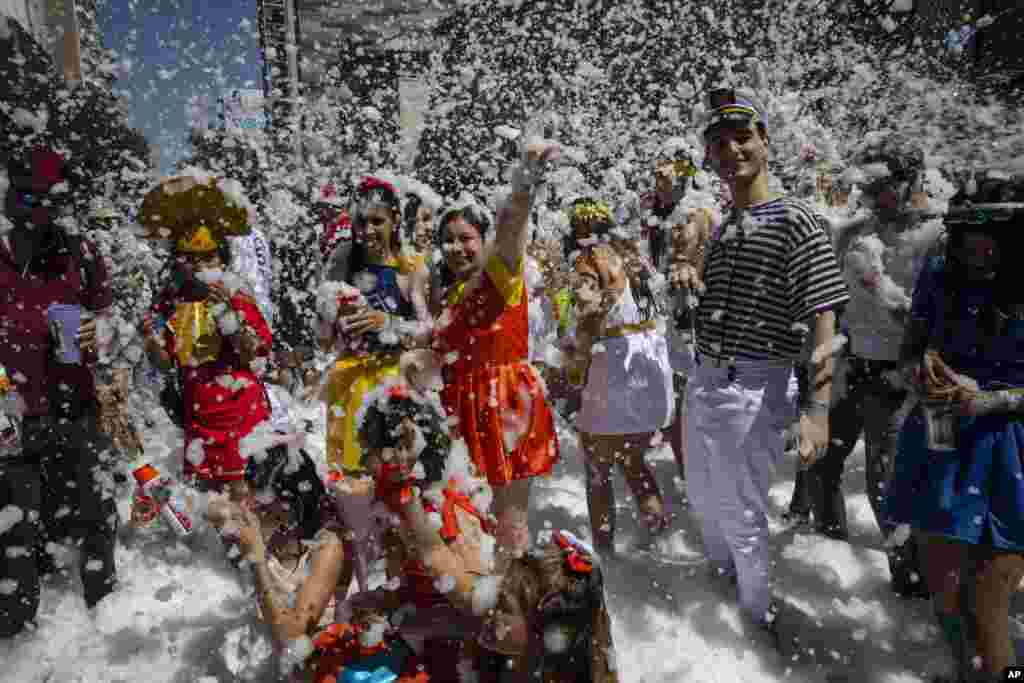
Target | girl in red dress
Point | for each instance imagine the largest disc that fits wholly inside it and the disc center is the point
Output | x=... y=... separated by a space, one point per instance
x=490 y=388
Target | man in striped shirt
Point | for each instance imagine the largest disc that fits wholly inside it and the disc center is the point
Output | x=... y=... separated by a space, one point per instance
x=771 y=280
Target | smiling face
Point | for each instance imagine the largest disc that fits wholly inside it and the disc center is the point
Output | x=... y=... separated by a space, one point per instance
x=463 y=249
x=664 y=173
x=739 y=154
x=378 y=231
x=424 y=235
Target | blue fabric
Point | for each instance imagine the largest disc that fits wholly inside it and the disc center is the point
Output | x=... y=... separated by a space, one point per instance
x=382 y=667
x=995 y=364
x=974 y=494
x=385 y=295
x=381 y=675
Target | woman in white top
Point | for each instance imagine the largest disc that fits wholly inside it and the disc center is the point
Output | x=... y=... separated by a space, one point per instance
x=279 y=521
x=621 y=358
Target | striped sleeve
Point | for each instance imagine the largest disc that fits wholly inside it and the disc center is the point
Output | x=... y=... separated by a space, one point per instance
x=814 y=281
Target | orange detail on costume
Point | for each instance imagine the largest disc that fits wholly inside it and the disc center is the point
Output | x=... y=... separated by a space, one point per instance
x=449 y=519
x=492 y=382
x=393 y=491
x=578 y=561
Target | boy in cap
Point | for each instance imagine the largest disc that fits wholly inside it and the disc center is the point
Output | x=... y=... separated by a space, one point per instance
x=771 y=278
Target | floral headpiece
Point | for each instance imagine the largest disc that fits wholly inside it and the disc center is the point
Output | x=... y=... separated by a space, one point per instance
x=197 y=213
x=5 y=382
x=590 y=210
x=375 y=193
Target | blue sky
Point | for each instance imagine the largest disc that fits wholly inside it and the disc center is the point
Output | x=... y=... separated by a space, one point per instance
x=176 y=49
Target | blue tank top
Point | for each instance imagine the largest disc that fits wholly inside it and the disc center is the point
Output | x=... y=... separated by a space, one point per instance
x=379 y=285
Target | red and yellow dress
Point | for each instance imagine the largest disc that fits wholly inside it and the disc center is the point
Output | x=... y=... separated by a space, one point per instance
x=224 y=400
x=489 y=385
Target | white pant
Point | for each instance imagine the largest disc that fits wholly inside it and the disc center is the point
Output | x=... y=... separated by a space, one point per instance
x=735 y=437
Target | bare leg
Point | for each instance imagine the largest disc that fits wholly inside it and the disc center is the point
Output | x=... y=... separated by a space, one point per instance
x=511 y=508
x=600 y=456
x=641 y=480
x=997 y=580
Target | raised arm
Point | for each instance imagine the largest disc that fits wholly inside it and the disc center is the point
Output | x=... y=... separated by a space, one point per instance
x=514 y=217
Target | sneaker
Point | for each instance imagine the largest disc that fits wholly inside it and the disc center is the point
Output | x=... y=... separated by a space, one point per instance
x=797 y=518
x=671 y=547
x=781 y=630
x=723 y=581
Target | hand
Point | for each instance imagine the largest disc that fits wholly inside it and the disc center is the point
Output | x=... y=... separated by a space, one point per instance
x=814 y=438
x=531 y=170
x=219 y=294
x=990 y=403
x=683 y=275
x=250 y=538
x=87 y=335
x=367 y=321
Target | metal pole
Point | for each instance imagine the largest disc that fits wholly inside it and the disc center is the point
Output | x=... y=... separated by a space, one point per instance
x=293 y=77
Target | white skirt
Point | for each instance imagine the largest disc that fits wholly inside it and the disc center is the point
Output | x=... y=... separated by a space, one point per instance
x=629 y=386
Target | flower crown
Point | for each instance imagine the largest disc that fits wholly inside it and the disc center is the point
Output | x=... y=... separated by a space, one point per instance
x=591 y=211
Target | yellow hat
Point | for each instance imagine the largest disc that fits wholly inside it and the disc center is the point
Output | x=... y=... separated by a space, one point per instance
x=194 y=212
x=201 y=241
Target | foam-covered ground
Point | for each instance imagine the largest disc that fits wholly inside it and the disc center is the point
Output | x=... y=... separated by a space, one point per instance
x=182 y=616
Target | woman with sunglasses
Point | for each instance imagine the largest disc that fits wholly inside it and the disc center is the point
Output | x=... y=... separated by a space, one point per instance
x=490 y=388
x=958 y=479
x=372 y=299
x=205 y=327
x=621 y=360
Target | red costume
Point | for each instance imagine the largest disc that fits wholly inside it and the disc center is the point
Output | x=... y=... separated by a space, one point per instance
x=489 y=384
x=223 y=398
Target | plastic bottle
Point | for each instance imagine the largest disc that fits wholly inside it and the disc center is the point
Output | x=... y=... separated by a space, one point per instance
x=168 y=495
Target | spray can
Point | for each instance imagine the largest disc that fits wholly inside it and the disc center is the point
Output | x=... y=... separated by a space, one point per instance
x=168 y=495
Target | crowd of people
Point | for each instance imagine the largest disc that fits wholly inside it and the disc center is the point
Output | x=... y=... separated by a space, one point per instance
x=732 y=321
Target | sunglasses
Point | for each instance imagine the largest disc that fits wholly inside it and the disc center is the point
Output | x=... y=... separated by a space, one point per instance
x=27 y=200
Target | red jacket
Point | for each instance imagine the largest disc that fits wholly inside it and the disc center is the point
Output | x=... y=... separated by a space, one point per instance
x=224 y=400
x=25 y=344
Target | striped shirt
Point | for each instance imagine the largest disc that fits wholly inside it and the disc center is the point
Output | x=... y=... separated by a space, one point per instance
x=771 y=267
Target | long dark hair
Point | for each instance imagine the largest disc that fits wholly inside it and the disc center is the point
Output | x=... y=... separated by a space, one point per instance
x=413 y=202
x=638 y=271
x=1005 y=291
x=472 y=215
x=356 y=259
x=292 y=480
x=381 y=428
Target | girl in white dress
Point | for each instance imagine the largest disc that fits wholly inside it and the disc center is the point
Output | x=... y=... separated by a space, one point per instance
x=621 y=359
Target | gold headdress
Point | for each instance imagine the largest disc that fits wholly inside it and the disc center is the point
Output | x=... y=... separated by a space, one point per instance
x=590 y=210
x=196 y=213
